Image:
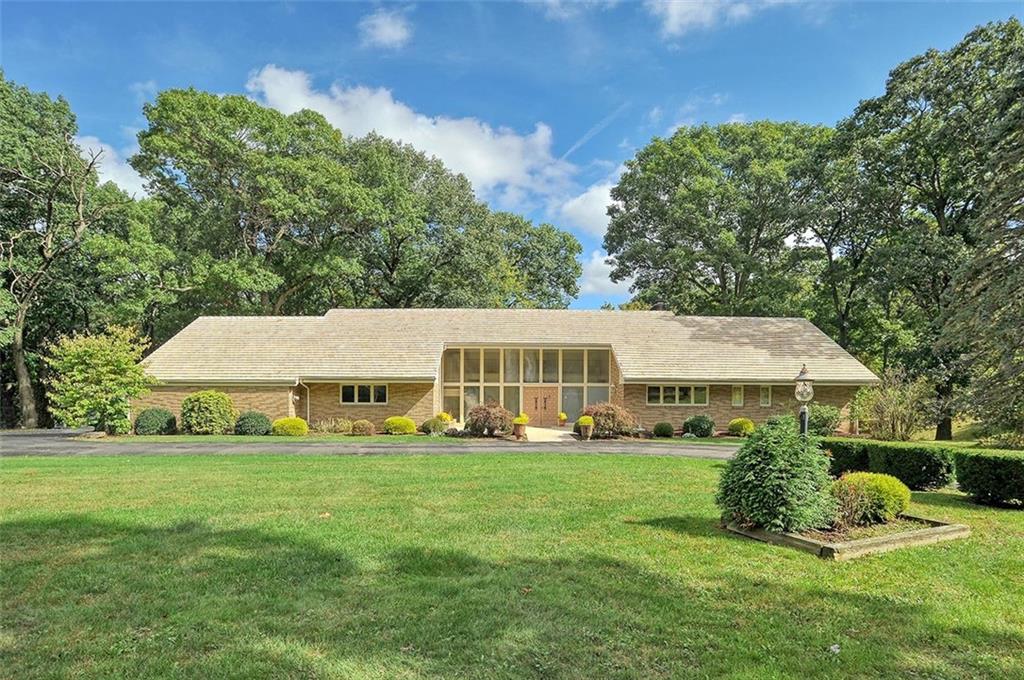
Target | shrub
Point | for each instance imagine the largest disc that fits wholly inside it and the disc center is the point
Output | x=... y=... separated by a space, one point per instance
x=363 y=428
x=489 y=419
x=894 y=409
x=521 y=419
x=699 y=426
x=689 y=435
x=332 y=426
x=610 y=420
x=207 y=412
x=664 y=430
x=398 y=425
x=292 y=426
x=869 y=498
x=1013 y=441
x=917 y=466
x=778 y=480
x=253 y=423
x=846 y=455
x=823 y=419
x=585 y=421
x=433 y=426
x=991 y=477
x=562 y=416
x=741 y=427
x=156 y=421
x=445 y=417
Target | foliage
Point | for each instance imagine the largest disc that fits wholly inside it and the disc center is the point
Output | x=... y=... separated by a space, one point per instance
x=253 y=423
x=991 y=477
x=96 y=377
x=741 y=427
x=918 y=465
x=845 y=454
x=444 y=416
x=663 y=430
x=521 y=419
x=585 y=421
x=291 y=426
x=332 y=426
x=1013 y=441
x=562 y=415
x=778 y=480
x=156 y=421
x=490 y=419
x=823 y=419
x=894 y=409
x=398 y=425
x=869 y=498
x=433 y=425
x=363 y=428
x=699 y=426
x=207 y=412
x=610 y=420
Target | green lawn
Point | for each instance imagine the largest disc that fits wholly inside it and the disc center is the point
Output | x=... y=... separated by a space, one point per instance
x=539 y=566
x=270 y=439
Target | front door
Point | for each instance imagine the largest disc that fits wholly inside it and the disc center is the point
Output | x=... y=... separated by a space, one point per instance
x=541 y=404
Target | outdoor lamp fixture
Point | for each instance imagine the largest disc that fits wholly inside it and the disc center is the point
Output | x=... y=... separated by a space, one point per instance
x=804 y=393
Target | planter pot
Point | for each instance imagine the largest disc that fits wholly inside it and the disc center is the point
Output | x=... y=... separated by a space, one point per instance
x=519 y=431
x=561 y=422
x=586 y=431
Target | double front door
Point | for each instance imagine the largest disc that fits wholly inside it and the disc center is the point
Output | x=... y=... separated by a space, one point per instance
x=541 y=404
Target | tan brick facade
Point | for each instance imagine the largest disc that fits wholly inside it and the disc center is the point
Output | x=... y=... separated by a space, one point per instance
x=414 y=400
x=273 y=400
x=721 y=410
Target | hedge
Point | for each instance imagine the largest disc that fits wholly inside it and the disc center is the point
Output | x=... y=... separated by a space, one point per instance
x=992 y=477
x=291 y=426
x=916 y=465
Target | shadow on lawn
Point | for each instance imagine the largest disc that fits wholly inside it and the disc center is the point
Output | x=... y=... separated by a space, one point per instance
x=689 y=525
x=115 y=599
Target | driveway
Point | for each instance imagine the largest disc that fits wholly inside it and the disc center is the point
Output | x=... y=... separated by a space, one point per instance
x=62 y=443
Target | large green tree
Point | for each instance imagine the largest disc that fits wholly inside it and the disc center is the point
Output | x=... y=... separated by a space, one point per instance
x=702 y=221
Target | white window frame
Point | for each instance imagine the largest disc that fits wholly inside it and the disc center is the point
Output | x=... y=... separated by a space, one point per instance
x=737 y=390
x=355 y=394
x=661 y=391
x=761 y=399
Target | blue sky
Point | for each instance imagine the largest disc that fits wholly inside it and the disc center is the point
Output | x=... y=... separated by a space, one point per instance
x=538 y=103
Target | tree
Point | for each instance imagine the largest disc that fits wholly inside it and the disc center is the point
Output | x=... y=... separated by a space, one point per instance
x=928 y=134
x=96 y=377
x=48 y=205
x=701 y=220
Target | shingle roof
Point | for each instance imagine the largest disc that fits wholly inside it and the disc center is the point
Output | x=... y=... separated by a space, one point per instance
x=406 y=344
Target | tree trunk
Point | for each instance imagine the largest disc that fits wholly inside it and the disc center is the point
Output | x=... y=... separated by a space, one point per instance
x=944 y=428
x=26 y=395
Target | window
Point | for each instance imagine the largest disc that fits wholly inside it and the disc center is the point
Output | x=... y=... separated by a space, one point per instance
x=492 y=365
x=597 y=366
x=512 y=399
x=364 y=394
x=737 y=395
x=453 y=365
x=452 y=403
x=471 y=367
x=684 y=395
x=766 y=395
x=512 y=366
x=492 y=393
x=551 y=365
x=572 y=366
x=597 y=395
x=572 y=401
x=531 y=365
x=470 y=397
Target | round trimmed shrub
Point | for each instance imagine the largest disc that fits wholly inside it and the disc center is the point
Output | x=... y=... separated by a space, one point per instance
x=664 y=430
x=252 y=423
x=778 y=480
x=741 y=427
x=292 y=426
x=585 y=421
x=433 y=426
x=208 y=412
x=363 y=428
x=489 y=419
x=445 y=417
x=398 y=425
x=521 y=419
x=156 y=421
x=610 y=420
x=991 y=477
x=869 y=498
x=699 y=426
x=823 y=419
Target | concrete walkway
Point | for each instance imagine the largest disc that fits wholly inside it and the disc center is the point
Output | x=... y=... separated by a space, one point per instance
x=62 y=443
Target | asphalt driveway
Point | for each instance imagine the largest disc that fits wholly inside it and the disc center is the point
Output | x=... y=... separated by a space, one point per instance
x=63 y=443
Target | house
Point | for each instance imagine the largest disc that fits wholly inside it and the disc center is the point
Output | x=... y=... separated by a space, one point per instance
x=375 y=363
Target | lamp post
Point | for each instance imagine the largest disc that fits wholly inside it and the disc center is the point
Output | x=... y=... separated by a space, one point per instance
x=804 y=393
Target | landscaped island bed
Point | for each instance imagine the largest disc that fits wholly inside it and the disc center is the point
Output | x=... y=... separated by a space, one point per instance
x=471 y=566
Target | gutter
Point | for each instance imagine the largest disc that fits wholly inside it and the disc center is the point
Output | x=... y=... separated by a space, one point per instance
x=298 y=382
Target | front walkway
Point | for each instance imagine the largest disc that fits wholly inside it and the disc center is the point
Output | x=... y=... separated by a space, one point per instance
x=62 y=443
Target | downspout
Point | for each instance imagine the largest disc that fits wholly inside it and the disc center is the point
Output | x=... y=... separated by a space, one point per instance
x=306 y=387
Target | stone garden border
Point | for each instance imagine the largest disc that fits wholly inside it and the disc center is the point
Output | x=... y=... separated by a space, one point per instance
x=935 y=532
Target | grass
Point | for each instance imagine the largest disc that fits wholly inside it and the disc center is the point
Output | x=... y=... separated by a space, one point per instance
x=271 y=439
x=527 y=566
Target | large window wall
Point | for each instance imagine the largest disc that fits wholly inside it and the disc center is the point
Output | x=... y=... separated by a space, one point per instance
x=474 y=375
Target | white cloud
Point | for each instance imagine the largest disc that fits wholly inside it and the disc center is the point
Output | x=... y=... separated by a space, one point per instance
x=389 y=29
x=564 y=10
x=737 y=118
x=144 y=90
x=655 y=115
x=596 y=279
x=113 y=164
x=681 y=16
x=499 y=161
x=588 y=211
x=596 y=129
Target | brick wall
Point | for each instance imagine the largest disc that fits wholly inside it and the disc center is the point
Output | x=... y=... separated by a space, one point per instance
x=415 y=400
x=273 y=400
x=721 y=410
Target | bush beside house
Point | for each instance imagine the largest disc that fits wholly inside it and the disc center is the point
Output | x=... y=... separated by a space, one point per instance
x=208 y=412
x=291 y=426
x=156 y=421
x=699 y=426
x=252 y=423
